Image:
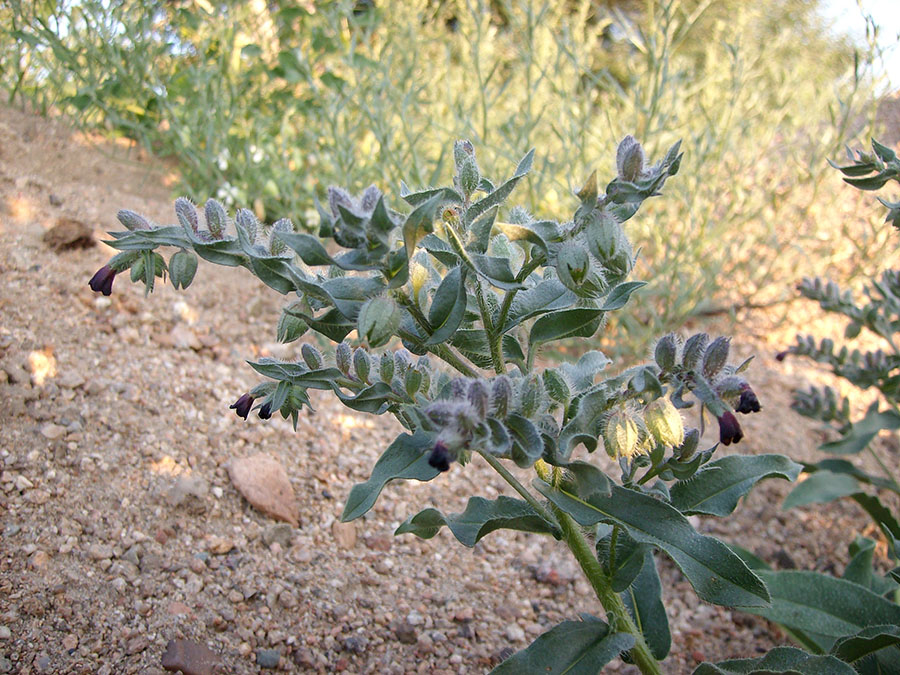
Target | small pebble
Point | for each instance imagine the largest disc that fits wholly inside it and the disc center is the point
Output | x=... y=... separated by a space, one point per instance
x=5 y=633
x=356 y=644
x=267 y=658
x=53 y=431
x=406 y=633
x=100 y=552
x=514 y=633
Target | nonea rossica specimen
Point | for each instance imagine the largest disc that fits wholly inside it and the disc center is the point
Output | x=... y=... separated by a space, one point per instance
x=436 y=313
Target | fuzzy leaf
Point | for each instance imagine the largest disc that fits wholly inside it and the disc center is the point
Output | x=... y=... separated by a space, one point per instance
x=498 y=196
x=548 y=296
x=779 y=661
x=716 y=488
x=619 y=295
x=496 y=271
x=643 y=598
x=406 y=457
x=863 y=431
x=350 y=293
x=419 y=223
x=716 y=573
x=579 y=322
x=480 y=518
x=822 y=605
x=138 y=240
x=569 y=648
x=444 y=195
x=474 y=346
x=866 y=642
x=527 y=443
x=448 y=307
x=373 y=399
x=820 y=488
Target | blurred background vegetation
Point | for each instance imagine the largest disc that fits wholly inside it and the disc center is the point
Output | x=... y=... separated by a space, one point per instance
x=265 y=104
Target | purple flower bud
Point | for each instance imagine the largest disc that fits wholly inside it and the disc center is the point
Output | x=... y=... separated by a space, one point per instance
x=781 y=356
x=265 y=411
x=102 y=281
x=440 y=457
x=729 y=429
x=749 y=403
x=242 y=405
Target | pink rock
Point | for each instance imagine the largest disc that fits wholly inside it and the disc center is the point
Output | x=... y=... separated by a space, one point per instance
x=190 y=658
x=263 y=482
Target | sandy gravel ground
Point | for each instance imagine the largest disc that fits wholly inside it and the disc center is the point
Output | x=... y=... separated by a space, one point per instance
x=120 y=528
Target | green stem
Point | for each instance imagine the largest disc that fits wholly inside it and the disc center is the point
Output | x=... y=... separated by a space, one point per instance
x=616 y=612
x=452 y=358
x=414 y=311
x=518 y=487
x=494 y=340
x=523 y=274
x=884 y=467
x=613 y=540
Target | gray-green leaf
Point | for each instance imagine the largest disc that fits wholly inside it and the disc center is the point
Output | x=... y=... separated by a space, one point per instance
x=569 y=648
x=480 y=518
x=716 y=573
x=448 y=307
x=716 y=488
x=781 y=660
x=406 y=457
x=823 y=605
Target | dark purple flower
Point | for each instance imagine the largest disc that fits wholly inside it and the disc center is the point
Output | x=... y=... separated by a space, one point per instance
x=440 y=457
x=265 y=411
x=242 y=405
x=781 y=356
x=102 y=281
x=729 y=429
x=749 y=403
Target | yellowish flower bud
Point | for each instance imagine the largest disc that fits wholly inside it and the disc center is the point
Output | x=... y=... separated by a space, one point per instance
x=664 y=422
x=621 y=436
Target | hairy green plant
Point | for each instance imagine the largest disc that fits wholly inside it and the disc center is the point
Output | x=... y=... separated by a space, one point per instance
x=266 y=107
x=473 y=289
x=836 y=610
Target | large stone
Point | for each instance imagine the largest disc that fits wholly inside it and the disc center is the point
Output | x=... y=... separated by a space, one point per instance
x=263 y=482
x=69 y=233
x=190 y=658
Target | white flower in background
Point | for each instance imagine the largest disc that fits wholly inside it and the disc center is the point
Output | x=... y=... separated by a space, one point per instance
x=222 y=159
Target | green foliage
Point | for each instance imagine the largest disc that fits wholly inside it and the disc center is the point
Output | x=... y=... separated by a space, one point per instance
x=453 y=284
x=856 y=618
x=268 y=105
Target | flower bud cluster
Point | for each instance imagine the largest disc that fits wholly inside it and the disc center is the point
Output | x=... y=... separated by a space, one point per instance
x=701 y=366
x=468 y=175
x=358 y=222
x=216 y=220
x=470 y=412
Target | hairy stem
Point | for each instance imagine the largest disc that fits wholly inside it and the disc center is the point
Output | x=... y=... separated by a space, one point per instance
x=494 y=340
x=523 y=274
x=616 y=613
x=518 y=487
x=447 y=354
x=884 y=467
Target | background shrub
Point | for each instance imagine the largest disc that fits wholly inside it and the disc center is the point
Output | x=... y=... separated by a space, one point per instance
x=266 y=104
